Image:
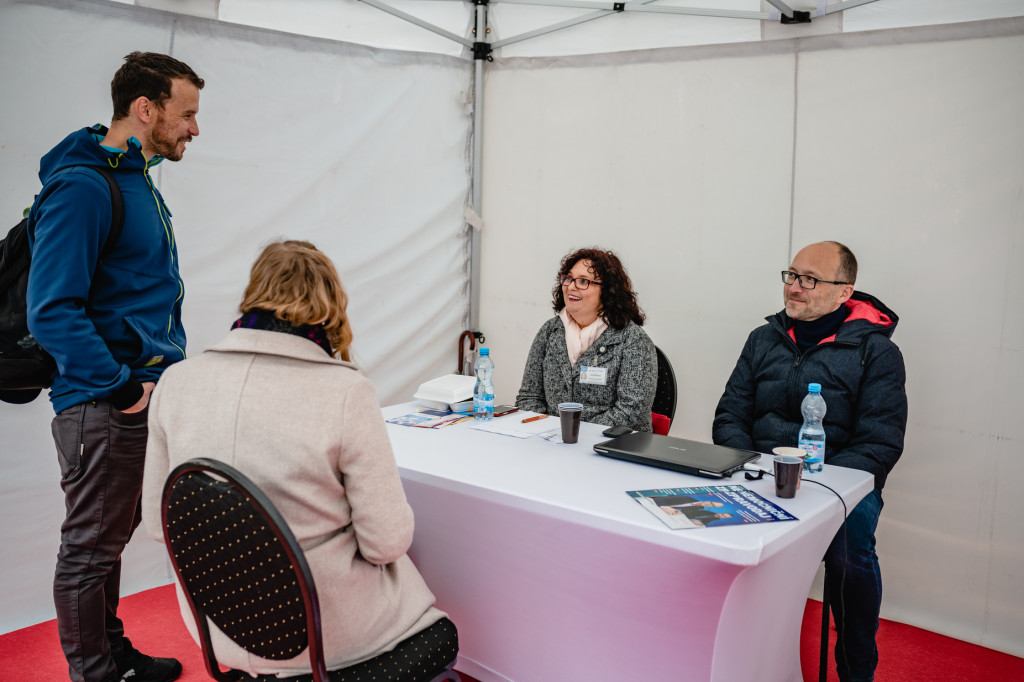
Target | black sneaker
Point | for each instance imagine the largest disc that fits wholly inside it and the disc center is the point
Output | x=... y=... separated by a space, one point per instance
x=136 y=666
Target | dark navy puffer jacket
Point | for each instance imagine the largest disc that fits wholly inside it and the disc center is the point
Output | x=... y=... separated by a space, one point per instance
x=862 y=379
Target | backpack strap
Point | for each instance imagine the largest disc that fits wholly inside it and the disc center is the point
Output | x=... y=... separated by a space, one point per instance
x=116 y=210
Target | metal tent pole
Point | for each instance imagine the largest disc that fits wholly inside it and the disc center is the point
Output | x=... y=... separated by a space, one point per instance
x=616 y=6
x=384 y=7
x=845 y=5
x=481 y=53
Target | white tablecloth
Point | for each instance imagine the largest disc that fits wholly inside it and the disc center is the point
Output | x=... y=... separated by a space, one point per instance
x=551 y=571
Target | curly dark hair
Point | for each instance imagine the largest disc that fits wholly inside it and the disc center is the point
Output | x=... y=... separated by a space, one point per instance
x=618 y=300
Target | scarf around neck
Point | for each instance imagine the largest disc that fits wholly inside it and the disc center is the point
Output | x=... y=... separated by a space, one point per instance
x=579 y=339
x=808 y=334
x=267 y=321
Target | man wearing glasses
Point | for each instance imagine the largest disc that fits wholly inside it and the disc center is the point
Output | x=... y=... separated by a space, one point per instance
x=840 y=338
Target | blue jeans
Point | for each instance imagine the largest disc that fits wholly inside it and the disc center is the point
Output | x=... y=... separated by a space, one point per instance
x=854 y=583
x=101 y=452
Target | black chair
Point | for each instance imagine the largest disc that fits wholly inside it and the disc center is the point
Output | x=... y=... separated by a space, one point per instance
x=665 y=393
x=242 y=569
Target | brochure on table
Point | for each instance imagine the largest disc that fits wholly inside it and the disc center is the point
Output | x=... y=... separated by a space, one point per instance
x=438 y=414
x=430 y=419
x=709 y=506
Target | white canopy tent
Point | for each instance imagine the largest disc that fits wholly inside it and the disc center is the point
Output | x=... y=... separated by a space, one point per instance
x=704 y=150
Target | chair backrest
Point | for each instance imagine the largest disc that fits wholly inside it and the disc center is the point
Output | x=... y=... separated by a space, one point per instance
x=665 y=393
x=240 y=565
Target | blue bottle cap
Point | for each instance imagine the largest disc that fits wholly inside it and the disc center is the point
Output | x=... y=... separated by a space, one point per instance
x=487 y=351
x=813 y=388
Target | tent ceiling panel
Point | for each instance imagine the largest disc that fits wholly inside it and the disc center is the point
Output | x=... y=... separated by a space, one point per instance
x=357 y=22
x=615 y=32
x=643 y=25
x=207 y=9
x=888 y=14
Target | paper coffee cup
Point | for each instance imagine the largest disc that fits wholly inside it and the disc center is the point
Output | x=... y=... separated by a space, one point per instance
x=569 y=414
x=787 y=474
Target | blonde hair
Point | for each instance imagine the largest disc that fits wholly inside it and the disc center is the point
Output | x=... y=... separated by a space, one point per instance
x=299 y=284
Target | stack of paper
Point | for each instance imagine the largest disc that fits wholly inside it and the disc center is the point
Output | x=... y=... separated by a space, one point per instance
x=513 y=425
x=443 y=392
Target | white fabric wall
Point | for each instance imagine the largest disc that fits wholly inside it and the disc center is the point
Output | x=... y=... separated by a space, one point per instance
x=707 y=168
x=363 y=152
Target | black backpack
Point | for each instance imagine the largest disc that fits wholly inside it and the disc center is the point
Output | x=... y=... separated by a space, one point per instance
x=25 y=368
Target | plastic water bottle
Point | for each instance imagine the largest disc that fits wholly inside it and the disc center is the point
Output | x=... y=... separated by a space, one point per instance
x=483 y=392
x=812 y=434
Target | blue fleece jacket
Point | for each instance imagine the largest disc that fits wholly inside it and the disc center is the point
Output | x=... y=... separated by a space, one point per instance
x=129 y=329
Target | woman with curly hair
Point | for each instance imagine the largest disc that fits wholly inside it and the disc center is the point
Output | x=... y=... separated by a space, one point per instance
x=593 y=351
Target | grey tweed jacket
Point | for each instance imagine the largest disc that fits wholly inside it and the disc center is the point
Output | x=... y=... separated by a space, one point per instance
x=626 y=398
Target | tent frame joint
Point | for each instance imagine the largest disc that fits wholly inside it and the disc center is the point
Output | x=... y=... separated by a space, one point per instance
x=483 y=50
x=797 y=18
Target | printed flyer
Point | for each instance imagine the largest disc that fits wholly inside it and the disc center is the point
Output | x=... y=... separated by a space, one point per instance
x=704 y=506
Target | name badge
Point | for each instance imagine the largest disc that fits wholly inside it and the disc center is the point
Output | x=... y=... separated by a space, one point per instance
x=594 y=375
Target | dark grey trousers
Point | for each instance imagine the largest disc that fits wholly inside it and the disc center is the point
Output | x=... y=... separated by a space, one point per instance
x=101 y=453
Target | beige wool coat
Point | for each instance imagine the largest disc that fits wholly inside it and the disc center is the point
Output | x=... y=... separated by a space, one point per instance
x=307 y=429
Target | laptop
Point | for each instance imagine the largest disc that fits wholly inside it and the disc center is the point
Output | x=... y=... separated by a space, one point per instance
x=678 y=454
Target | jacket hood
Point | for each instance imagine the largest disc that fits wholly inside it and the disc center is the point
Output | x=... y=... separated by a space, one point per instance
x=866 y=307
x=867 y=315
x=82 y=148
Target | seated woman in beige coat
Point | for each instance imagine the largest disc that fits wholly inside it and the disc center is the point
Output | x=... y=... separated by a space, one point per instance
x=277 y=400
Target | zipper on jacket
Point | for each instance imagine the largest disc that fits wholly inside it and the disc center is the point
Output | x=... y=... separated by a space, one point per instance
x=170 y=319
x=164 y=220
x=169 y=233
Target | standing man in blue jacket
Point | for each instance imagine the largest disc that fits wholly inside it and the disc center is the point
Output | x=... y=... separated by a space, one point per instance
x=113 y=326
x=840 y=338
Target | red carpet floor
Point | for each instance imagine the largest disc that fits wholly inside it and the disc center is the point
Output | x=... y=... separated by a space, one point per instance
x=908 y=654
